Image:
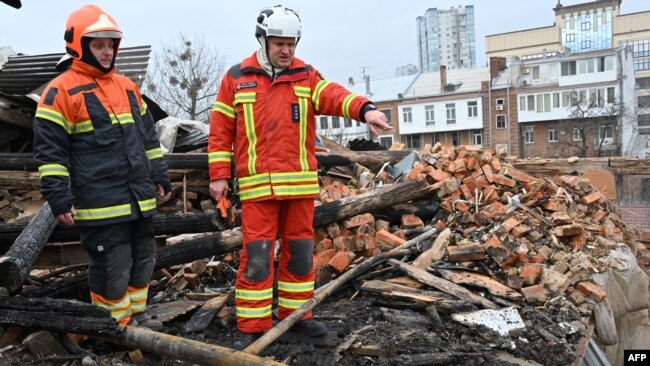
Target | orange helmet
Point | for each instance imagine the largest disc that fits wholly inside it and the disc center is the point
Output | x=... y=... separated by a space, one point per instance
x=89 y=21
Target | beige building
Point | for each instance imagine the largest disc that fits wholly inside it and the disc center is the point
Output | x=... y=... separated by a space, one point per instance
x=585 y=27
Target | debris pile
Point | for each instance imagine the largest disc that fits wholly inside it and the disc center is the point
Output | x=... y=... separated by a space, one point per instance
x=495 y=266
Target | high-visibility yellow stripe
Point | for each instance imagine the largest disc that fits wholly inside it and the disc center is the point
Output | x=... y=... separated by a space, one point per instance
x=254 y=180
x=315 y=98
x=52 y=169
x=138 y=299
x=297 y=190
x=295 y=286
x=122 y=118
x=254 y=312
x=290 y=303
x=254 y=294
x=302 y=107
x=143 y=108
x=81 y=126
x=55 y=117
x=154 y=153
x=249 y=194
x=249 y=121
x=346 y=105
x=224 y=108
x=248 y=97
x=294 y=177
x=103 y=213
x=302 y=91
x=219 y=156
x=120 y=310
x=147 y=205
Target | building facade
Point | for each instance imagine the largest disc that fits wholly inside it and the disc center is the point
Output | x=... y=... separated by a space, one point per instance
x=446 y=37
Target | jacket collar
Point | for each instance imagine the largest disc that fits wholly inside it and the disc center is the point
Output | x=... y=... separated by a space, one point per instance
x=251 y=62
x=84 y=68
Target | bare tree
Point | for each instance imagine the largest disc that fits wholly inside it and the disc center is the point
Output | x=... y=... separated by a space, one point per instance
x=592 y=126
x=185 y=76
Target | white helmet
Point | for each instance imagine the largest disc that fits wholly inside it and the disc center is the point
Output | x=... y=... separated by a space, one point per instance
x=278 y=21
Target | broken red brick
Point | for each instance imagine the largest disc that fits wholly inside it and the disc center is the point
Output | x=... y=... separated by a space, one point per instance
x=504 y=181
x=341 y=260
x=489 y=174
x=463 y=253
x=531 y=274
x=495 y=164
x=386 y=238
x=518 y=175
x=591 y=290
x=471 y=183
x=593 y=197
x=324 y=244
x=520 y=231
x=498 y=252
x=535 y=294
x=359 y=220
x=567 y=230
x=410 y=221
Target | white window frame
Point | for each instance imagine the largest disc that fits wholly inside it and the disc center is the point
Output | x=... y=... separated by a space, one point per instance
x=407 y=114
x=529 y=134
x=451 y=113
x=477 y=136
x=472 y=109
x=505 y=121
x=324 y=123
x=609 y=134
x=553 y=135
x=429 y=115
x=577 y=135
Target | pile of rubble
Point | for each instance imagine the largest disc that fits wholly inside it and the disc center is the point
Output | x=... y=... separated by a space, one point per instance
x=451 y=256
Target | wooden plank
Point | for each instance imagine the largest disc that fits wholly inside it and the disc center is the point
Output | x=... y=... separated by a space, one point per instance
x=493 y=286
x=204 y=316
x=436 y=252
x=443 y=285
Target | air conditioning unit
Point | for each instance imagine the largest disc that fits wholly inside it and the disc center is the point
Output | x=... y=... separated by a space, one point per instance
x=499 y=107
x=525 y=82
x=525 y=70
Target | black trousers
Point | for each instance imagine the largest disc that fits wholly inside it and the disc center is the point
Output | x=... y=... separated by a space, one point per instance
x=121 y=255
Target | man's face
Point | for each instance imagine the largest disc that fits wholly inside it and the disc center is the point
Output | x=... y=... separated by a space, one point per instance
x=103 y=50
x=281 y=51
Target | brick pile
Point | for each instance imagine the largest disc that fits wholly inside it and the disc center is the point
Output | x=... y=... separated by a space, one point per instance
x=547 y=246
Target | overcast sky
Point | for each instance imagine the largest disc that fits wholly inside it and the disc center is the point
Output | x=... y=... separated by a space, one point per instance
x=340 y=37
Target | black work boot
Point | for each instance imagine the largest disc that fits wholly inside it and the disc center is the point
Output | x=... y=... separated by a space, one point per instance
x=243 y=340
x=310 y=327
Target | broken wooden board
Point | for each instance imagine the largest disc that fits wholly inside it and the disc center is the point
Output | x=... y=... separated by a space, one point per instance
x=443 y=285
x=204 y=316
x=436 y=252
x=170 y=310
x=493 y=286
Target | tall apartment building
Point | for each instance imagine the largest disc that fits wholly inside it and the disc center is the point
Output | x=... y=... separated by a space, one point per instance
x=446 y=37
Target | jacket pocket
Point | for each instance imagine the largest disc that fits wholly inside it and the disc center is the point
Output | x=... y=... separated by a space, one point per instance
x=91 y=167
x=100 y=119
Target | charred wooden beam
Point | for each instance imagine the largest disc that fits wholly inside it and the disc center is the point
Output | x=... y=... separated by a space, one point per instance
x=552 y=167
x=16 y=264
x=369 y=159
x=57 y=315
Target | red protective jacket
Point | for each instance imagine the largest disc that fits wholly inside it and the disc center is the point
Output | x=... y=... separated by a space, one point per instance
x=271 y=129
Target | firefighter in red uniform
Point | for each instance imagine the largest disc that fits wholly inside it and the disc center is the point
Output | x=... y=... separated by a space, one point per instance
x=101 y=166
x=264 y=112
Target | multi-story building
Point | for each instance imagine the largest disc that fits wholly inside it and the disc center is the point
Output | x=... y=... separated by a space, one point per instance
x=587 y=28
x=446 y=37
x=385 y=93
x=573 y=104
x=444 y=106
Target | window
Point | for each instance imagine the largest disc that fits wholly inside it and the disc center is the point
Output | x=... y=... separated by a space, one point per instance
x=611 y=95
x=577 y=134
x=407 y=115
x=472 y=109
x=522 y=103
x=570 y=37
x=478 y=137
x=451 y=113
x=429 y=115
x=323 y=123
x=358 y=123
x=582 y=97
x=413 y=141
x=388 y=115
x=531 y=103
x=582 y=67
x=435 y=137
x=568 y=68
x=336 y=122
x=347 y=122
x=552 y=71
x=547 y=102
x=552 y=135
x=455 y=138
x=386 y=141
x=499 y=104
x=501 y=121
x=540 y=103
x=585 y=45
x=566 y=99
x=585 y=26
x=556 y=100
x=529 y=135
x=535 y=72
x=606 y=134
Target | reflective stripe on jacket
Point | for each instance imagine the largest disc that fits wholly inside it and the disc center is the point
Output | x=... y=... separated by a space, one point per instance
x=96 y=147
x=271 y=129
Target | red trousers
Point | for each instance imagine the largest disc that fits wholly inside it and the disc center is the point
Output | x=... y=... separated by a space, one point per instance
x=262 y=223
